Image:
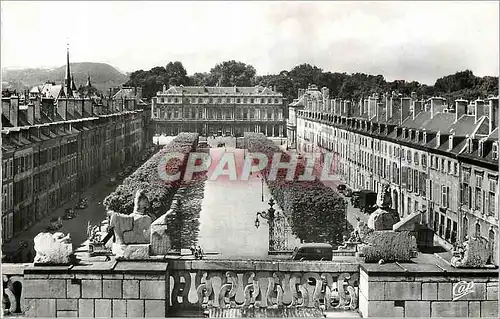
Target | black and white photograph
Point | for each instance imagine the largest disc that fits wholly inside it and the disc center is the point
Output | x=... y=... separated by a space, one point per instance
x=229 y=159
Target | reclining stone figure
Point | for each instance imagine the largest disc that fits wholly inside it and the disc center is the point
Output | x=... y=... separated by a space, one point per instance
x=132 y=230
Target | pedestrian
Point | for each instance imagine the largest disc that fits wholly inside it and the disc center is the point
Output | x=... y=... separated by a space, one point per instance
x=199 y=252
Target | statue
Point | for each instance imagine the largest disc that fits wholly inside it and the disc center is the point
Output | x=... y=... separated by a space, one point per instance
x=132 y=232
x=384 y=199
x=384 y=217
x=53 y=249
x=473 y=253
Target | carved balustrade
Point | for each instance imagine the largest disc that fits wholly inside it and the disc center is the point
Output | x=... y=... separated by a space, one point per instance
x=247 y=284
x=12 y=287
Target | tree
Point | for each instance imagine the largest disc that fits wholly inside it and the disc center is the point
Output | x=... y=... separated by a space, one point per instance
x=176 y=74
x=305 y=74
x=200 y=79
x=233 y=73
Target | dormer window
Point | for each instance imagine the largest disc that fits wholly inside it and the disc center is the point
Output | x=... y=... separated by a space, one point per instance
x=417 y=135
x=438 y=139
x=404 y=133
x=450 y=142
x=480 y=149
x=469 y=145
x=425 y=137
x=495 y=151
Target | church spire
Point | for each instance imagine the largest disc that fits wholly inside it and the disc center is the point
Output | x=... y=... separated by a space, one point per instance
x=67 y=78
x=88 y=80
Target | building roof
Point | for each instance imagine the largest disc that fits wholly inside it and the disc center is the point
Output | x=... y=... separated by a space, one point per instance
x=221 y=90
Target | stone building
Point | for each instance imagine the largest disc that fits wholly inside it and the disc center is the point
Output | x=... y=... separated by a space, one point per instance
x=438 y=159
x=218 y=110
x=56 y=143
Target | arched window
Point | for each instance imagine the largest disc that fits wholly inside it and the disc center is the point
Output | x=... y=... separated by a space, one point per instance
x=478 y=230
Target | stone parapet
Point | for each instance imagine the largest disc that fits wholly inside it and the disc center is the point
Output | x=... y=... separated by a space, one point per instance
x=410 y=290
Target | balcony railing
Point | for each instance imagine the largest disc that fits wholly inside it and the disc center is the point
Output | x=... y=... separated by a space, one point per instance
x=205 y=285
x=243 y=284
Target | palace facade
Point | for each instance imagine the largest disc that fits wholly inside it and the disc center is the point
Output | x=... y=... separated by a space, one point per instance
x=218 y=110
x=440 y=160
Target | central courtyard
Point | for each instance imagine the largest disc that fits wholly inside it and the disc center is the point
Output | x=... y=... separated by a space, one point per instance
x=227 y=218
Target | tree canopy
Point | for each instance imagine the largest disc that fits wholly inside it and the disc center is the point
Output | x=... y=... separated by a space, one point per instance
x=463 y=84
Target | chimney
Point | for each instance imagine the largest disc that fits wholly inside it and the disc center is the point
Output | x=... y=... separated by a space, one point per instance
x=6 y=107
x=417 y=108
x=301 y=92
x=381 y=112
x=365 y=107
x=31 y=114
x=326 y=92
x=493 y=114
x=478 y=109
x=36 y=112
x=436 y=105
x=14 y=110
x=71 y=106
x=88 y=108
x=413 y=96
x=405 y=108
x=78 y=112
x=347 y=108
x=460 y=108
x=372 y=106
x=388 y=106
x=62 y=106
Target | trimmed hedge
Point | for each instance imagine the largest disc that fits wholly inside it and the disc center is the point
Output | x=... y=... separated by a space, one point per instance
x=389 y=246
x=146 y=177
x=315 y=211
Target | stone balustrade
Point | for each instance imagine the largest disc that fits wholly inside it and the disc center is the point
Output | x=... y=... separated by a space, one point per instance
x=262 y=284
x=176 y=287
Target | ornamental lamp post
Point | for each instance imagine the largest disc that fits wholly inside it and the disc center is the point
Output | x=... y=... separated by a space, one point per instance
x=269 y=216
x=262 y=188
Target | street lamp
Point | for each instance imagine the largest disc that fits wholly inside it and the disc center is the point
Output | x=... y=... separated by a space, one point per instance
x=269 y=216
x=262 y=188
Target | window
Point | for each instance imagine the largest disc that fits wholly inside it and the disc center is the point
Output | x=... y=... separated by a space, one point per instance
x=491 y=197
x=415 y=158
x=447 y=234
x=228 y=100
x=495 y=151
x=445 y=196
x=478 y=230
x=465 y=228
x=478 y=198
x=238 y=100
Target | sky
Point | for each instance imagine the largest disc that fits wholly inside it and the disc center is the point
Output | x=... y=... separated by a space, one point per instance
x=419 y=41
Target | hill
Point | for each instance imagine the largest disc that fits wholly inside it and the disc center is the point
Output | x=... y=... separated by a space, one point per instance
x=103 y=76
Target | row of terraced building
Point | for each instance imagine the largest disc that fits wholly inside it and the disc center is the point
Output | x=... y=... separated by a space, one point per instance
x=439 y=158
x=54 y=146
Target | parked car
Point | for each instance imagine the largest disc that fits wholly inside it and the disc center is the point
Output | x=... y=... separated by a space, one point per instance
x=69 y=214
x=347 y=192
x=202 y=145
x=55 y=223
x=367 y=201
x=355 y=198
x=313 y=251
x=341 y=187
